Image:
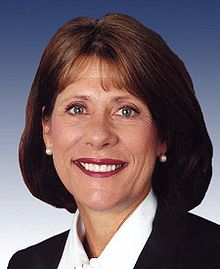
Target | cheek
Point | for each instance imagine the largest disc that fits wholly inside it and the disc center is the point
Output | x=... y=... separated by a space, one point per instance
x=141 y=140
x=64 y=135
x=65 y=140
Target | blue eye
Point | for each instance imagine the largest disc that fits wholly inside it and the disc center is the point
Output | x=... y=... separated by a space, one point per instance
x=126 y=112
x=76 y=110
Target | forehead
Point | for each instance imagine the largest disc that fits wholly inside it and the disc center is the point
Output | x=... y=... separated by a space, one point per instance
x=96 y=83
x=94 y=68
x=96 y=79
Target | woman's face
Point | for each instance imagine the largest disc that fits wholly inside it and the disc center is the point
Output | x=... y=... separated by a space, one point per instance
x=104 y=143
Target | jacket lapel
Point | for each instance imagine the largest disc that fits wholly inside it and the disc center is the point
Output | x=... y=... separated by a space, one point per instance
x=161 y=251
x=162 y=248
x=49 y=255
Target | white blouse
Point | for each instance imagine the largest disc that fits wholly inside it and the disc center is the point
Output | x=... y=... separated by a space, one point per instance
x=123 y=249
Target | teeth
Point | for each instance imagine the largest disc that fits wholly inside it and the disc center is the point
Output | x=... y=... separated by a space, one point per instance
x=103 y=168
x=100 y=168
x=96 y=168
x=109 y=168
x=91 y=167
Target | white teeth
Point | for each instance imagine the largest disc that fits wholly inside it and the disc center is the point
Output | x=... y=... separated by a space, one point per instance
x=103 y=168
x=96 y=168
x=100 y=168
x=86 y=166
x=109 y=168
x=91 y=168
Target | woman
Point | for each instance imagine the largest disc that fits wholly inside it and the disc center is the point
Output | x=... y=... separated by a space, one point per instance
x=114 y=131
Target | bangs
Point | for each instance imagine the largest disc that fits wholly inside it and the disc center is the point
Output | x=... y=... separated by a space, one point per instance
x=117 y=76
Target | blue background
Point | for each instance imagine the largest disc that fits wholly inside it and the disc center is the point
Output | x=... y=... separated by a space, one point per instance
x=191 y=28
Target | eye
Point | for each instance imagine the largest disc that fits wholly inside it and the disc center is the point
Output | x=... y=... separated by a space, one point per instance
x=76 y=109
x=126 y=112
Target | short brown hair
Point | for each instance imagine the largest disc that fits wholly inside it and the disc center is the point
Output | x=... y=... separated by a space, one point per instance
x=148 y=68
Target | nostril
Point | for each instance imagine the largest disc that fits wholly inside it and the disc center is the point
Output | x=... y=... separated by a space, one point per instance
x=98 y=144
x=103 y=137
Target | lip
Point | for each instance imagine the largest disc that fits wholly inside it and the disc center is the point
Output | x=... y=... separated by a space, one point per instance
x=100 y=161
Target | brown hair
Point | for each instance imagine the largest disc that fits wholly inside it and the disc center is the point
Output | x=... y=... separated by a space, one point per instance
x=147 y=67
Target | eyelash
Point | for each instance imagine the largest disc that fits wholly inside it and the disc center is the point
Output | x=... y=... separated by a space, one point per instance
x=82 y=106
x=135 y=110
x=68 y=108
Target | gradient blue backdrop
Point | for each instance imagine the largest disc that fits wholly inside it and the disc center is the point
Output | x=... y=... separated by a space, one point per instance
x=191 y=28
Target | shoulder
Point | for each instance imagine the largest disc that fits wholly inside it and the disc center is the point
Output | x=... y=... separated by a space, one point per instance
x=184 y=240
x=202 y=229
x=45 y=254
x=201 y=242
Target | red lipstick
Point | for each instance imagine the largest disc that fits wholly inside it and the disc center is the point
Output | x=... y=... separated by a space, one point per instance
x=100 y=168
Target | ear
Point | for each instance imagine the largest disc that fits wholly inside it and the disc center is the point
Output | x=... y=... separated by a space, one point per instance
x=162 y=149
x=47 y=133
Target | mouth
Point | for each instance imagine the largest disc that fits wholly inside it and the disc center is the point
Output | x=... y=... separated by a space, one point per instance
x=100 y=168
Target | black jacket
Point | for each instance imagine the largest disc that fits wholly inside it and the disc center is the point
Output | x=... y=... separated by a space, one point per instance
x=177 y=241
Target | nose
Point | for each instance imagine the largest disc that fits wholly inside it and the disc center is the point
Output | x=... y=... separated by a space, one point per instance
x=101 y=133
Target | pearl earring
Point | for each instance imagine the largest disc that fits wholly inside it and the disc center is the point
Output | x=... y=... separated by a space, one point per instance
x=163 y=158
x=48 y=151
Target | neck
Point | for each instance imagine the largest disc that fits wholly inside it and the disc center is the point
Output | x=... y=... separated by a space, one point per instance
x=101 y=226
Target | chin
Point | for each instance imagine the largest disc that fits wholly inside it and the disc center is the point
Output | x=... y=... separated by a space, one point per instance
x=98 y=202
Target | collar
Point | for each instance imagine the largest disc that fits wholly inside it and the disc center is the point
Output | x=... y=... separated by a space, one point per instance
x=123 y=249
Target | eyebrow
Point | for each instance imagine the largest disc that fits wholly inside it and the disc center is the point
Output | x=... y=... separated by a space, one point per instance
x=79 y=97
x=86 y=97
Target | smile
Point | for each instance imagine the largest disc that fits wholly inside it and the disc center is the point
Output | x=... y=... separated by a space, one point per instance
x=100 y=167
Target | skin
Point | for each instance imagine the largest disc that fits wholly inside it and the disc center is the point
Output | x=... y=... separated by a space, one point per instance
x=99 y=129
